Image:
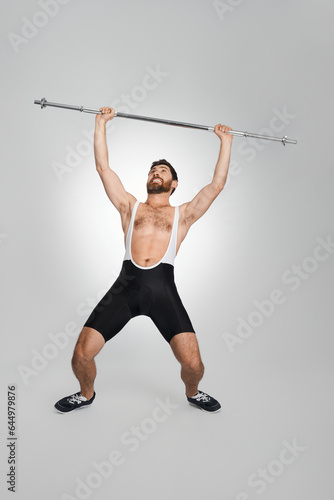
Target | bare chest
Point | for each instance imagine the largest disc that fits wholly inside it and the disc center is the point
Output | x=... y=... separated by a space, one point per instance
x=150 y=220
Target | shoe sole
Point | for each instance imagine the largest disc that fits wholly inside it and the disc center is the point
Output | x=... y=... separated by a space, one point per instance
x=206 y=411
x=70 y=411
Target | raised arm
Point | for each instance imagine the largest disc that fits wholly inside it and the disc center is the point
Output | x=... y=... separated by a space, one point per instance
x=113 y=186
x=194 y=209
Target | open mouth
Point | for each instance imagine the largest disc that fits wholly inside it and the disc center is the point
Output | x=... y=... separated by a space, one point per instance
x=156 y=179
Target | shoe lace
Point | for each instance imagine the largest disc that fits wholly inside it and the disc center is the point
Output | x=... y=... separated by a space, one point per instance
x=203 y=397
x=75 y=398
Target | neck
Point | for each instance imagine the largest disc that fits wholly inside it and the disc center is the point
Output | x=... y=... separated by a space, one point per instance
x=158 y=200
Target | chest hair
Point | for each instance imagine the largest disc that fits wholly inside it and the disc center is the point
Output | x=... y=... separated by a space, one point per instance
x=157 y=219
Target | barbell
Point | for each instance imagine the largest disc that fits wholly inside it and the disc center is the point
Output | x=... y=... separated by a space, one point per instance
x=44 y=103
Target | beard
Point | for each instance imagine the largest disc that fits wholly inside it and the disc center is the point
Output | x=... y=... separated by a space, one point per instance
x=157 y=188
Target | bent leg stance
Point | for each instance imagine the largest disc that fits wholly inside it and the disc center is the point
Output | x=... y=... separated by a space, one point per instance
x=137 y=291
x=150 y=292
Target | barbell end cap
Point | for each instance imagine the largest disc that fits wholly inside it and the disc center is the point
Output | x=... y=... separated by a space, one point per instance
x=43 y=102
x=284 y=140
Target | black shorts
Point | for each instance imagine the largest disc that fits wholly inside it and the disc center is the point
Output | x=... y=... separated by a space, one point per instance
x=149 y=292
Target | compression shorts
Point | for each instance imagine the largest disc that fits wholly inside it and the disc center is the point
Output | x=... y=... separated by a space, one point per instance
x=138 y=291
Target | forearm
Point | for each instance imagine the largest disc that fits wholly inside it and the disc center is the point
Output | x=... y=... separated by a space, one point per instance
x=100 y=146
x=222 y=166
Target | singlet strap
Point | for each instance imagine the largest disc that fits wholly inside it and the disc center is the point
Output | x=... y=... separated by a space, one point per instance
x=170 y=254
x=127 y=255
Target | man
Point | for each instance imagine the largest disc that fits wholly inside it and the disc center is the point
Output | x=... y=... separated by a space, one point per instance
x=153 y=233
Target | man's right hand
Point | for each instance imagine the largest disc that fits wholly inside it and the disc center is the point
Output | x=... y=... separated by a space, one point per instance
x=106 y=115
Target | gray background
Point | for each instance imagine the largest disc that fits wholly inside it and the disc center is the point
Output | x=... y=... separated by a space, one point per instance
x=61 y=245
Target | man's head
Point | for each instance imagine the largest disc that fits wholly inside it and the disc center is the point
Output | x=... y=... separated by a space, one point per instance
x=161 y=178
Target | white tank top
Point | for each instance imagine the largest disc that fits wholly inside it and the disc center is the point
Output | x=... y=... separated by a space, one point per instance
x=170 y=254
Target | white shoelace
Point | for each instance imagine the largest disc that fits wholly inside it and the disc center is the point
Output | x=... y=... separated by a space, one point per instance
x=76 y=398
x=202 y=397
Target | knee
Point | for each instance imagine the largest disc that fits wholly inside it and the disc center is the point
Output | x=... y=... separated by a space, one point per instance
x=195 y=366
x=201 y=368
x=80 y=355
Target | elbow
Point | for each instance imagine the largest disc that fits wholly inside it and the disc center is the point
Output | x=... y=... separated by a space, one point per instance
x=101 y=167
x=218 y=185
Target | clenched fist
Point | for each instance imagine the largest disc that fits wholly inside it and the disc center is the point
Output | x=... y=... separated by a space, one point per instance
x=221 y=130
x=106 y=115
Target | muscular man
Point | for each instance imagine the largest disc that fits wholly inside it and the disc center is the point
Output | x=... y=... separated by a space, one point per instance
x=153 y=233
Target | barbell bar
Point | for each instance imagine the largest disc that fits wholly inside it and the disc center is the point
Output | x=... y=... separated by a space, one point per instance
x=44 y=103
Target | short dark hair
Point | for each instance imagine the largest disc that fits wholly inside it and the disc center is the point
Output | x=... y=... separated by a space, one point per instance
x=171 y=168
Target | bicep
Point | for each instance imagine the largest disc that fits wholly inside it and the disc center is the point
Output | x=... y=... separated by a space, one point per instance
x=115 y=190
x=197 y=207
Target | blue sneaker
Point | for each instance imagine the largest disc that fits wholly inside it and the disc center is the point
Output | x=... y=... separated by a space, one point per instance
x=73 y=402
x=204 y=402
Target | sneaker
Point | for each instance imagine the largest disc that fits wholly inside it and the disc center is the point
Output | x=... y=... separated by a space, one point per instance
x=73 y=402
x=204 y=402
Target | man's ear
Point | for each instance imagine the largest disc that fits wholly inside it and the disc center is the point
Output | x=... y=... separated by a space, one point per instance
x=174 y=184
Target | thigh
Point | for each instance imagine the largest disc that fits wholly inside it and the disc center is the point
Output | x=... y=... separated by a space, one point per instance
x=112 y=312
x=185 y=347
x=90 y=342
x=169 y=314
